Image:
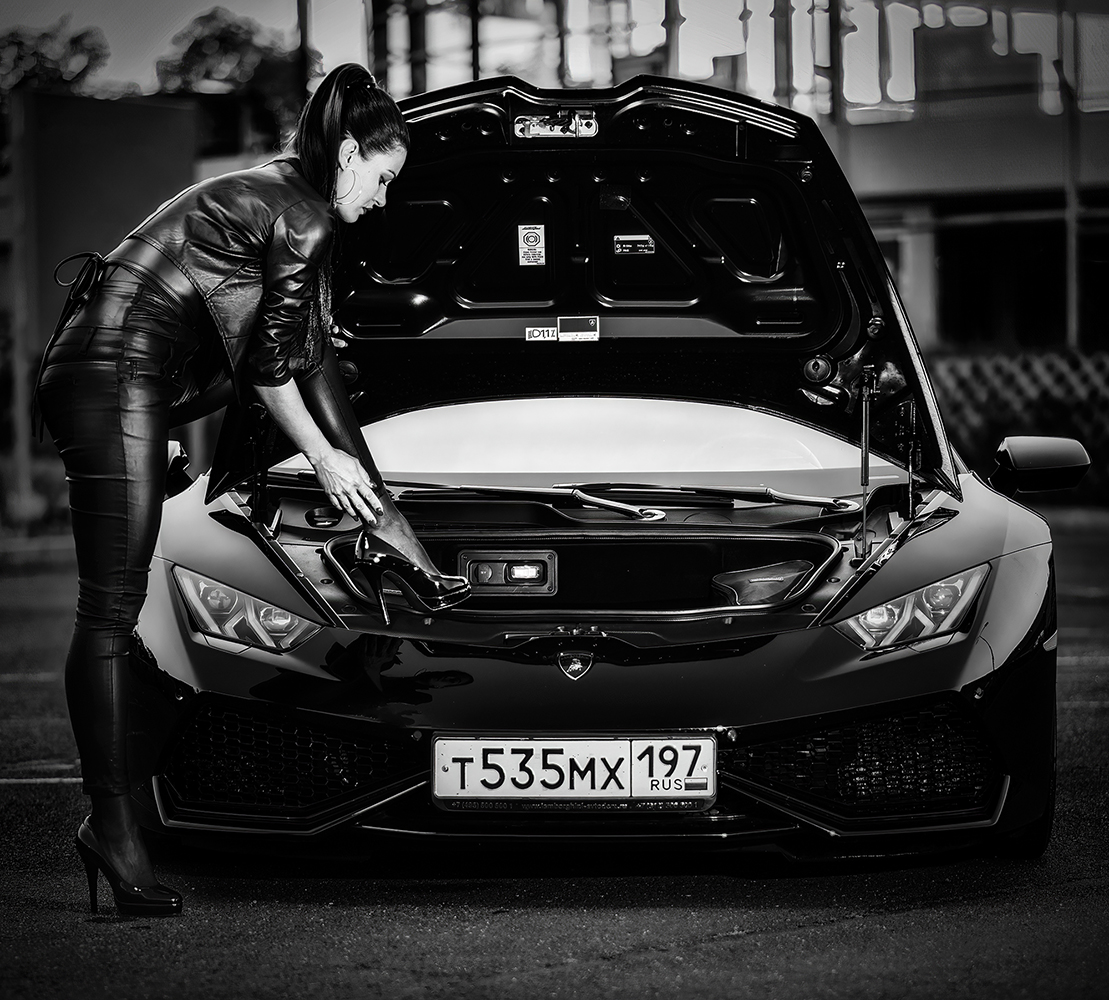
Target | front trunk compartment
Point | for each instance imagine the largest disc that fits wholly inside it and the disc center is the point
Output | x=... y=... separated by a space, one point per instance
x=707 y=574
x=642 y=569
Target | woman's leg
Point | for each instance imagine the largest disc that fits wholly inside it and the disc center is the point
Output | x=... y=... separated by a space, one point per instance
x=112 y=434
x=107 y=411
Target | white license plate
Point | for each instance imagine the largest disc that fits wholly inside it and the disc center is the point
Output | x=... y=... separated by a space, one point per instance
x=575 y=769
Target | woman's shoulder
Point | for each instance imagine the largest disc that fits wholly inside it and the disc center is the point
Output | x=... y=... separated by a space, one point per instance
x=249 y=206
x=277 y=183
x=302 y=216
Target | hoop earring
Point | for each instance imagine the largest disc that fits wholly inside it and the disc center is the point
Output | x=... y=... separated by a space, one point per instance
x=350 y=194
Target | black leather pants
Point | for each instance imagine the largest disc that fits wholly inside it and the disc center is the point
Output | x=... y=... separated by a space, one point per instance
x=105 y=393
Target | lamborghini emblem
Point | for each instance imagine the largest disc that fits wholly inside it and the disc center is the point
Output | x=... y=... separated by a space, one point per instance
x=575 y=665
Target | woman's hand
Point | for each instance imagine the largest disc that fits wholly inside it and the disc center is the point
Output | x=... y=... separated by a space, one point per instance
x=337 y=335
x=346 y=484
x=342 y=477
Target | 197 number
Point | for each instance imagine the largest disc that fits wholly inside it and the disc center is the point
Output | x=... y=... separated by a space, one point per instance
x=669 y=758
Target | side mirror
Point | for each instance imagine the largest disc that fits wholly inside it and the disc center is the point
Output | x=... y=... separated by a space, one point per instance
x=1035 y=464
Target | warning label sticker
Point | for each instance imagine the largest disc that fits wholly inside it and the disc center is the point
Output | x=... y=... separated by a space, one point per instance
x=640 y=243
x=572 y=328
x=533 y=245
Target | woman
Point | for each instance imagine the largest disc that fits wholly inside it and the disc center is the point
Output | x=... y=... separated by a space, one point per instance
x=228 y=281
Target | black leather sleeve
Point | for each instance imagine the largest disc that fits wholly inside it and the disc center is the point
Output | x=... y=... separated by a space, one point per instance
x=301 y=237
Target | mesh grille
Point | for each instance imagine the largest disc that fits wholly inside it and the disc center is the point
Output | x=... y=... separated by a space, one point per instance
x=924 y=761
x=248 y=762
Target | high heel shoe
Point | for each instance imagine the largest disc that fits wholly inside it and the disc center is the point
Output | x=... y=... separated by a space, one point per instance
x=131 y=900
x=431 y=591
x=390 y=546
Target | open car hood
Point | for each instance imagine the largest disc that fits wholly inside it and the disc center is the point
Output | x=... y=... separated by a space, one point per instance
x=658 y=239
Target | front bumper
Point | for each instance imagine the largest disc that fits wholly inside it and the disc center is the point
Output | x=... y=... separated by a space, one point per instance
x=933 y=771
x=821 y=750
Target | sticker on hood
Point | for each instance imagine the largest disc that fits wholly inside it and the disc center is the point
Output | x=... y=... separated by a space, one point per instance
x=533 y=245
x=641 y=243
x=579 y=328
x=569 y=329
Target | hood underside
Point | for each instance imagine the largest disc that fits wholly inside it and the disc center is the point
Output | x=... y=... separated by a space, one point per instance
x=660 y=239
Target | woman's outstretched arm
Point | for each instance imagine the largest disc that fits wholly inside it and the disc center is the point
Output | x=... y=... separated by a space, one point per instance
x=341 y=475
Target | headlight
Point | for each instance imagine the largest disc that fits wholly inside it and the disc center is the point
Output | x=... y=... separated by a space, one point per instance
x=228 y=613
x=934 y=610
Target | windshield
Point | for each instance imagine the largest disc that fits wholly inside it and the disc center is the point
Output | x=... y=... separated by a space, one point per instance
x=572 y=439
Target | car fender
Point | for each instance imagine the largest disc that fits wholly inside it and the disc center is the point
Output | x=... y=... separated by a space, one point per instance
x=982 y=528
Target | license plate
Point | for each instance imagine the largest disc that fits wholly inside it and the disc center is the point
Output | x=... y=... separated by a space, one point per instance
x=582 y=770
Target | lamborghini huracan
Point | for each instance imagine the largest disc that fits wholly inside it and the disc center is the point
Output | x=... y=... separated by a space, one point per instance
x=631 y=363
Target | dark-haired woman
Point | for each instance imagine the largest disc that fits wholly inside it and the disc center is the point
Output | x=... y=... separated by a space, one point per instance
x=225 y=284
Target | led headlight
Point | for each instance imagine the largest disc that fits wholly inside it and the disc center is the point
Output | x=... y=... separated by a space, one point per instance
x=227 y=613
x=934 y=610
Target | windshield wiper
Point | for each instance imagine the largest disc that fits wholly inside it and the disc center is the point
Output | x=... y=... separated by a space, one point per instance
x=746 y=493
x=587 y=493
x=542 y=492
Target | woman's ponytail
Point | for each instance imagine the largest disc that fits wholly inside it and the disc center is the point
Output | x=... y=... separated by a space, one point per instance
x=348 y=102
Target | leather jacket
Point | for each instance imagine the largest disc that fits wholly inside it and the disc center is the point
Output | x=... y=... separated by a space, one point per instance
x=251 y=242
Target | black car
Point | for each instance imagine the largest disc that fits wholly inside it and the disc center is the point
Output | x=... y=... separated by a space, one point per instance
x=632 y=363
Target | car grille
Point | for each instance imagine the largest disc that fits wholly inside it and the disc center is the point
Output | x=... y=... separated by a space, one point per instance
x=264 y=764
x=914 y=763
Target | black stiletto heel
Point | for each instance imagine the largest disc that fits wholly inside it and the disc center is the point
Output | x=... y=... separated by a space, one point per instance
x=374 y=559
x=131 y=900
x=368 y=583
x=91 y=873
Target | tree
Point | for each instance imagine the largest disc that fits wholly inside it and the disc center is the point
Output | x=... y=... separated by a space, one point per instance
x=220 y=51
x=51 y=59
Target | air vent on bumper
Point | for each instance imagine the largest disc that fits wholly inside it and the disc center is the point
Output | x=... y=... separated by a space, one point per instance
x=927 y=764
x=255 y=766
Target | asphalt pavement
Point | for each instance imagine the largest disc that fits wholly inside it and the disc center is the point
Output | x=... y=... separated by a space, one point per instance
x=436 y=923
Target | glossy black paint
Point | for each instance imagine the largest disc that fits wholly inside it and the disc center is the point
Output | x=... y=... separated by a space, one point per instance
x=730 y=682
x=1030 y=464
x=748 y=685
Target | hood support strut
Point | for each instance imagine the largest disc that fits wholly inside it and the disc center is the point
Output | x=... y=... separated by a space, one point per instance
x=910 y=462
x=868 y=384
